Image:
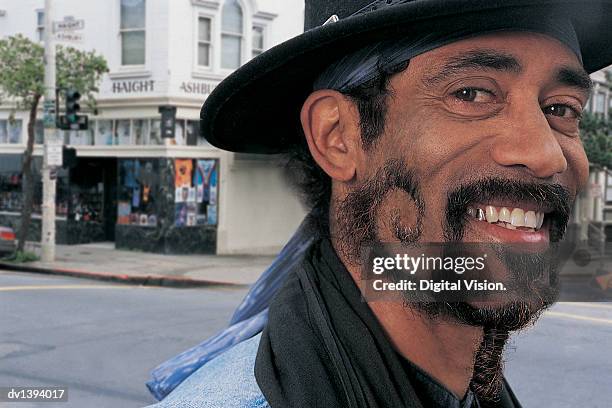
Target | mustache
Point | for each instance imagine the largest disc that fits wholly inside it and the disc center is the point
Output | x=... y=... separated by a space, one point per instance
x=554 y=197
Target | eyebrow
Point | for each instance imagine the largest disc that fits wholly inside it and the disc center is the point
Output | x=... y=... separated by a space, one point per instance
x=479 y=59
x=575 y=78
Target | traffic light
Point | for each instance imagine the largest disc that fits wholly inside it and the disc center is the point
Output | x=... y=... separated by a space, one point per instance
x=72 y=106
x=72 y=120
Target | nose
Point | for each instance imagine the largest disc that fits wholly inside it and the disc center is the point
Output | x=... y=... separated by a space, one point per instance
x=527 y=140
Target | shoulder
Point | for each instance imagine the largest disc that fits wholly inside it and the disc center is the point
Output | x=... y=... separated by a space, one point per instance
x=227 y=381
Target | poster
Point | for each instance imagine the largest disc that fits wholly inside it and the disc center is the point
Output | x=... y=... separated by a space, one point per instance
x=180 y=214
x=183 y=170
x=123 y=212
x=196 y=192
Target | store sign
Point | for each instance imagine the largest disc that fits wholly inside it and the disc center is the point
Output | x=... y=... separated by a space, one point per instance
x=127 y=87
x=199 y=88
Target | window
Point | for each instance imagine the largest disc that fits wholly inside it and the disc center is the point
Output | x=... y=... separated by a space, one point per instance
x=123 y=132
x=40 y=25
x=10 y=131
x=104 y=134
x=204 y=46
x=132 y=32
x=141 y=131
x=258 y=40
x=39 y=132
x=231 y=35
x=600 y=103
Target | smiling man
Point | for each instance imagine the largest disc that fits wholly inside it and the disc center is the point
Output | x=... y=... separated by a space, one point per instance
x=407 y=122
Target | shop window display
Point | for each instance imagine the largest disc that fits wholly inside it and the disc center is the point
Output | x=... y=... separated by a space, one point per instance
x=196 y=191
x=11 y=197
x=11 y=186
x=138 y=187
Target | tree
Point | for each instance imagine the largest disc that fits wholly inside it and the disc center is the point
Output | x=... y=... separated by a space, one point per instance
x=596 y=136
x=22 y=82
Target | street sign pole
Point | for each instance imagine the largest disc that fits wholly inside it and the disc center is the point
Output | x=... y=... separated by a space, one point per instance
x=50 y=141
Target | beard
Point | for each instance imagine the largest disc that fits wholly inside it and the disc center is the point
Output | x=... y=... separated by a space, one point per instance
x=355 y=226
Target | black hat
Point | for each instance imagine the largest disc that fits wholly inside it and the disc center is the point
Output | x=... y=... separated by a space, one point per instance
x=256 y=109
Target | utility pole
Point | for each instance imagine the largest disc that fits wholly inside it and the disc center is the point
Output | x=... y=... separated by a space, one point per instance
x=51 y=142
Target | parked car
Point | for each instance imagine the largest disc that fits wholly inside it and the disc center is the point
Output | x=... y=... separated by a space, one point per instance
x=7 y=240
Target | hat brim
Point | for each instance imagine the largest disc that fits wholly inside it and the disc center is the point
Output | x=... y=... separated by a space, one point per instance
x=256 y=109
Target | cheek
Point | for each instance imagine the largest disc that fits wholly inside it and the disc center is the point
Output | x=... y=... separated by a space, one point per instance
x=577 y=164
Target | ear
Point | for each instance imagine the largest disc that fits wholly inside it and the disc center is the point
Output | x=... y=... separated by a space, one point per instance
x=331 y=126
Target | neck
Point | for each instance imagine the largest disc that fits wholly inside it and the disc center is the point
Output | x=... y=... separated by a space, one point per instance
x=446 y=351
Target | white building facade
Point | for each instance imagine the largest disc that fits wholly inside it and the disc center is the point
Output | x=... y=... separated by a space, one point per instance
x=130 y=184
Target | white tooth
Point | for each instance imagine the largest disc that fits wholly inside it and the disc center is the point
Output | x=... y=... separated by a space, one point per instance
x=471 y=211
x=531 y=219
x=540 y=220
x=510 y=226
x=504 y=215
x=517 y=218
x=491 y=214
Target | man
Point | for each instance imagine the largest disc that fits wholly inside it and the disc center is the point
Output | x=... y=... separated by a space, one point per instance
x=407 y=122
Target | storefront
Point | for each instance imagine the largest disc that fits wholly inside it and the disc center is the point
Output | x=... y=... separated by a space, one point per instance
x=151 y=204
x=168 y=205
x=83 y=205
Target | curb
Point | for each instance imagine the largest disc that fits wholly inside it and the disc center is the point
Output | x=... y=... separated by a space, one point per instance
x=146 y=280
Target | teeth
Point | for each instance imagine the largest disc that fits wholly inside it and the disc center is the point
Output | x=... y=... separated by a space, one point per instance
x=517 y=218
x=540 y=220
x=480 y=215
x=531 y=219
x=491 y=214
x=504 y=215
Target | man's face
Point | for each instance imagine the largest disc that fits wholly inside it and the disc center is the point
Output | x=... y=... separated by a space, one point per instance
x=489 y=123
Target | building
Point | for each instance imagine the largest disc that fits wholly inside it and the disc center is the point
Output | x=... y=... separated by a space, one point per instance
x=130 y=185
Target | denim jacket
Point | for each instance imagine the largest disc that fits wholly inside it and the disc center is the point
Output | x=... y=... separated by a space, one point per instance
x=228 y=381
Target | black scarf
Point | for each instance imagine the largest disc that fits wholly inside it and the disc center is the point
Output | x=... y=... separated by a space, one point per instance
x=323 y=346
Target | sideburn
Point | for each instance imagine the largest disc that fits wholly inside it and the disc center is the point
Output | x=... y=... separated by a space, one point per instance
x=354 y=218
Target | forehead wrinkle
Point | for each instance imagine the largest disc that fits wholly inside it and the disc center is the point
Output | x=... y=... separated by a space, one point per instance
x=480 y=59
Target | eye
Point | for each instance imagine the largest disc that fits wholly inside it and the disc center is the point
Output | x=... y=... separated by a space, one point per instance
x=475 y=95
x=561 y=110
x=474 y=98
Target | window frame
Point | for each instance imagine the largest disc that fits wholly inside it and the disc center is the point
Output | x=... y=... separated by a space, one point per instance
x=245 y=35
x=211 y=42
x=132 y=30
x=40 y=27
x=264 y=38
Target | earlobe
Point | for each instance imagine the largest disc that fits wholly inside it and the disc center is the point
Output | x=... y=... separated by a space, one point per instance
x=329 y=127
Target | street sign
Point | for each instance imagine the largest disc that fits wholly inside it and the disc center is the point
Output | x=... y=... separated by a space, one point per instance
x=68 y=36
x=49 y=114
x=68 y=24
x=53 y=154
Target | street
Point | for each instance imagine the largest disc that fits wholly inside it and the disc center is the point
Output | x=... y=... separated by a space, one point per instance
x=102 y=340
x=99 y=340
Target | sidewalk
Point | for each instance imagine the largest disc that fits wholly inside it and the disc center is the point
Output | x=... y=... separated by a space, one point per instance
x=103 y=262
